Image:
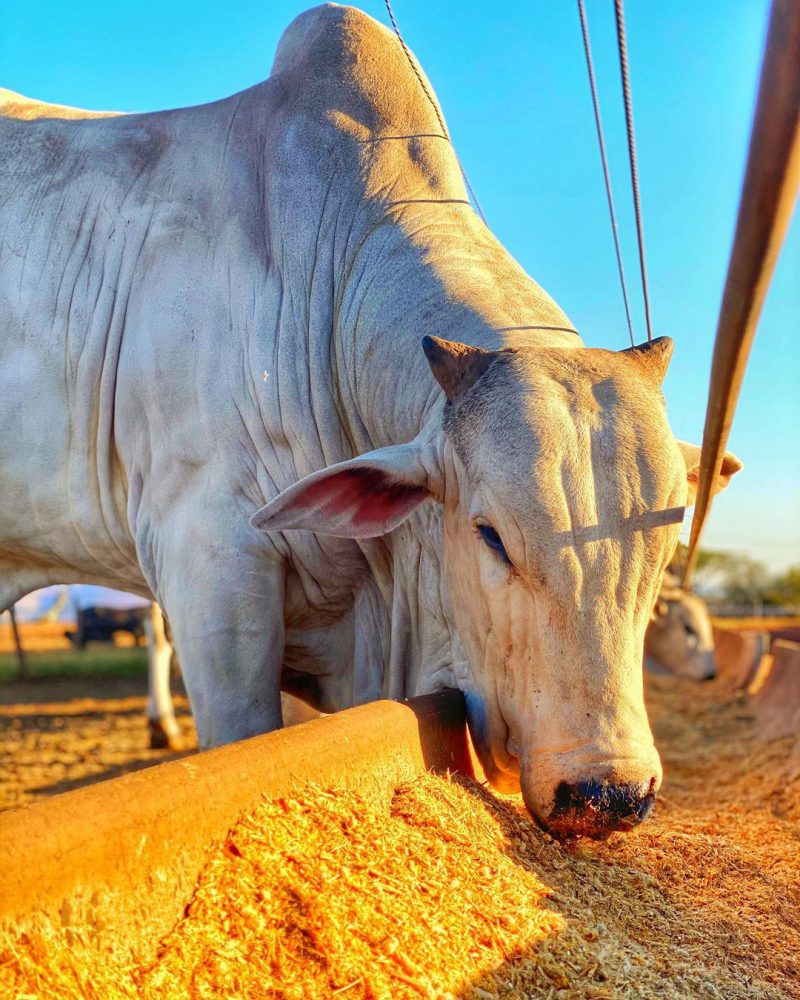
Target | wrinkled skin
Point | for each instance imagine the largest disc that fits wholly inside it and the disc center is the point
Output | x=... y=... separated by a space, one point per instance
x=206 y=313
x=680 y=639
x=163 y=727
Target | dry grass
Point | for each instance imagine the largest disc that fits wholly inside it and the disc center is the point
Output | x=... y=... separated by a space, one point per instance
x=448 y=891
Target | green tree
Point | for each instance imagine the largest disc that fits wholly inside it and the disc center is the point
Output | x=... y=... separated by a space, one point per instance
x=728 y=576
x=733 y=578
x=784 y=588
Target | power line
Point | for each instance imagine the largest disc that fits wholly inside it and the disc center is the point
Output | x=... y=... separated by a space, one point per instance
x=599 y=125
x=626 y=95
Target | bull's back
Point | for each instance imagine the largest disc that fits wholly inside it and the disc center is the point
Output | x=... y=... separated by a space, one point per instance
x=14 y=105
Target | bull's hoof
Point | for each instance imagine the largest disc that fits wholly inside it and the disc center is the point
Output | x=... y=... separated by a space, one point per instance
x=160 y=739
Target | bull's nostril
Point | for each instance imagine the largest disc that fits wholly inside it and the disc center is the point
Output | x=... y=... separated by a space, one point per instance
x=596 y=808
x=567 y=797
x=612 y=800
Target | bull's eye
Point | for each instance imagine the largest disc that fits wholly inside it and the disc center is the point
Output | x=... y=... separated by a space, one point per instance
x=493 y=540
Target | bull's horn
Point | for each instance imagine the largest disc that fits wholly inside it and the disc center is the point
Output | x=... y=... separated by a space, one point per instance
x=455 y=366
x=653 y=357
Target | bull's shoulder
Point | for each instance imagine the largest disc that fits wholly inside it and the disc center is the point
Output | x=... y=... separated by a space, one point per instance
x=338 y=63
x=21 y=108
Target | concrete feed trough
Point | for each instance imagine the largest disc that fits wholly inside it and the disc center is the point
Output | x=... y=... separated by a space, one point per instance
x=127 y=851
x=777 y=704
x=738 y=655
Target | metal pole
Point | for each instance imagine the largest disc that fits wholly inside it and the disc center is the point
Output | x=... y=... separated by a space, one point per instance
x=769 y=191
x=23 y=674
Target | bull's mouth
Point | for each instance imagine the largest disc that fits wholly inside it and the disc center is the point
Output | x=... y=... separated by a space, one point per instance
x=605 y=802
x=502 y=770
x=594 y=807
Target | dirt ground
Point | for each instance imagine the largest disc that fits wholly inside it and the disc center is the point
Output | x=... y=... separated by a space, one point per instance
x=60 y=733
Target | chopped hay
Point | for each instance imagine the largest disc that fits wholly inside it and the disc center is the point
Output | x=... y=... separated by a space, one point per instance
x=449 y=891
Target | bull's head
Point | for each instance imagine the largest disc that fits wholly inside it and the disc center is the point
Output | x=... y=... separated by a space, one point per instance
x=562 y=490
x=680 y=637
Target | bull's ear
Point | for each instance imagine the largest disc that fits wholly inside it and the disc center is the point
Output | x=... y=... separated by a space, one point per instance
x=455 y=366
x=362 y=498
x=660 y=610
x=691 y=456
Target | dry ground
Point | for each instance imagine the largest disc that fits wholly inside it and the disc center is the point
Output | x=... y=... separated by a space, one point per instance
x=57 y=733
x=448 y=891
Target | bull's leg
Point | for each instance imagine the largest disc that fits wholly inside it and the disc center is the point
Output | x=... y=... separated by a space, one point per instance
x=224 y=599
x=162 y=724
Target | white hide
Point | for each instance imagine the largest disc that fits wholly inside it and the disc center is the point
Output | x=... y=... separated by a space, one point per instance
x=680 y=638
x=200 y=307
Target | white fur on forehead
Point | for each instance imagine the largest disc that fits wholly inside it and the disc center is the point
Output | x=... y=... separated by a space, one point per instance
x=523 y=397
x=483 y=405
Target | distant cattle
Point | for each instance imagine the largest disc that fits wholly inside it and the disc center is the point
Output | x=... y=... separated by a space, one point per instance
x=680 y=638
x=98 y=624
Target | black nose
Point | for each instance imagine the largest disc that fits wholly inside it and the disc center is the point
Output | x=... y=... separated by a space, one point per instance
x=597 y=808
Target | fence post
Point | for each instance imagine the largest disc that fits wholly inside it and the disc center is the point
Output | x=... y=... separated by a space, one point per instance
x=23 y=674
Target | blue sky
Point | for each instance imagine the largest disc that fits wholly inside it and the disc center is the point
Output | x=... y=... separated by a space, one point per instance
x=512 y=81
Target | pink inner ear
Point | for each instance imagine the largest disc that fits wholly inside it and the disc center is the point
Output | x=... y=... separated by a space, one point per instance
x=364 y=495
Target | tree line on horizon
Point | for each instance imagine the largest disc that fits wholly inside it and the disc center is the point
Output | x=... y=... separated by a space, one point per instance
x=735 y=579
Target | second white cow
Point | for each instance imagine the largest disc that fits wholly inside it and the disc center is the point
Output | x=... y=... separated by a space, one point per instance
x=680 y=638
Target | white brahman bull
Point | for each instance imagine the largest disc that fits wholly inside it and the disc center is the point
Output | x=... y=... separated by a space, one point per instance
x=207 y=313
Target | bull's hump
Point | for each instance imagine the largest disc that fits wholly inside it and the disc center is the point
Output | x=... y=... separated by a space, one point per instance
x=341 y=61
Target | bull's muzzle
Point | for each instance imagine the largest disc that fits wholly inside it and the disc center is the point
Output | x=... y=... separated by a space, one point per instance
x=591 y=794
x=598 y=808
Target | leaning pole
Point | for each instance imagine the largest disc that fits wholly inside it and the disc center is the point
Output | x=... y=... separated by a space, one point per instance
x=769 y=192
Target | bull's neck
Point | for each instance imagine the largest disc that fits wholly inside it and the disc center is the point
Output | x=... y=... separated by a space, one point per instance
x=430 y=269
